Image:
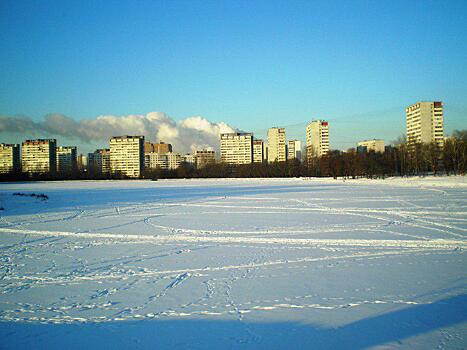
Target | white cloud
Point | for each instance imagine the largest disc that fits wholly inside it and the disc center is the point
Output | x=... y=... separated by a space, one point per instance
x=185 y=136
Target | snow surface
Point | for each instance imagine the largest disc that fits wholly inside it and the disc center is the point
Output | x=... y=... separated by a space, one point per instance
x=235 y=263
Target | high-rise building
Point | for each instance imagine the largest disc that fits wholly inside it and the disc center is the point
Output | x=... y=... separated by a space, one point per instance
x=39 y=156
x=99 y=161
x=276 y=145
x=9 y=158
x=66 y=159
x=425 y=123
x=127 y=155
x=294 y=149
x=258 y=151
x=237 y=148
x=317 y=139
x=204 y=157
x=371 y=145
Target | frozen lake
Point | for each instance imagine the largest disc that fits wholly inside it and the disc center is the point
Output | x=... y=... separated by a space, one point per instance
x=252 y=263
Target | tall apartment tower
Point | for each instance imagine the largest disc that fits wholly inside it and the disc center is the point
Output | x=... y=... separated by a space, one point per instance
x=258 y=151
x=294 y=150
x=9 y=158
x=317 y=139
x=237 y=148
x=127 y=155
x=66 y=159
x=276 y=145
x=39 y=156
x=425 y=123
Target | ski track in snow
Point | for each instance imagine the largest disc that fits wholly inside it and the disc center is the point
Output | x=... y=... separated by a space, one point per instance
x=196 y=257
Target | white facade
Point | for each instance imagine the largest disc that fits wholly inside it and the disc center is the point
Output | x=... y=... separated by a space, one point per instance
x=294 y=149
x=153 y=160
x=237 y=148
x=276 y=145
x=66 y=159
x=168 y=161
x=173 y=160
x=9 y=158
x=317 y=139
x=127 y=155
x=424 y=122
x=39 y=156
x=372 y=145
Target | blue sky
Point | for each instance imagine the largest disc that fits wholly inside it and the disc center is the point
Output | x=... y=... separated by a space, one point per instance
x=252 y=64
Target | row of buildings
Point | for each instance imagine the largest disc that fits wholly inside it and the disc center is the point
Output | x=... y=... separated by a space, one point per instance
x=130 y=155
x=126 y=155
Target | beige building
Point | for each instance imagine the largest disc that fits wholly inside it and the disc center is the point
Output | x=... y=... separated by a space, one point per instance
x=237 y=148
x=66 y=159
x=276 y=145
x=424 y=121
x=39 y=156
x=9 y=158
x=127 y=155
x=371 y=145
x=317 y=139
x=258 y=151
x=294 y=149
x=204 y=157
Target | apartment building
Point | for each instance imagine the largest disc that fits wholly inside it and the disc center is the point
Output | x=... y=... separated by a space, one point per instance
x=67 y=161
x=167 y=161
x=276 y=145
x=10 y=160
x=127 y=155
x=424 y=121
x=153 y=160
x=258 y=151
x=189 y=158
x=160 y=148
x=294 y=149
x=173 y=160
x=371 y=145
x=317 y=139
x=39 y=156
x=99 y=161
x=204 y=157
x=236 y=148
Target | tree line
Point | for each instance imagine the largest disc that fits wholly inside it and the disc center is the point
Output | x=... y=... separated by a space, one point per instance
x=399 y=159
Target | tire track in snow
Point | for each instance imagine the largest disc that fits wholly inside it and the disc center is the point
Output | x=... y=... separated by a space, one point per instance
x=427 y=244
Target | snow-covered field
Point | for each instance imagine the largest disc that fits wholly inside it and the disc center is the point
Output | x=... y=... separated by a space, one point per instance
x=253 y=263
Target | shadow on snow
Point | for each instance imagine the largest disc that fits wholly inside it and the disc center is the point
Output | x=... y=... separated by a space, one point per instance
x=394 y=326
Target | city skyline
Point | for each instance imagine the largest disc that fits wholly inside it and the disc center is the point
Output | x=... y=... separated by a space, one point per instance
x=347 y=63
